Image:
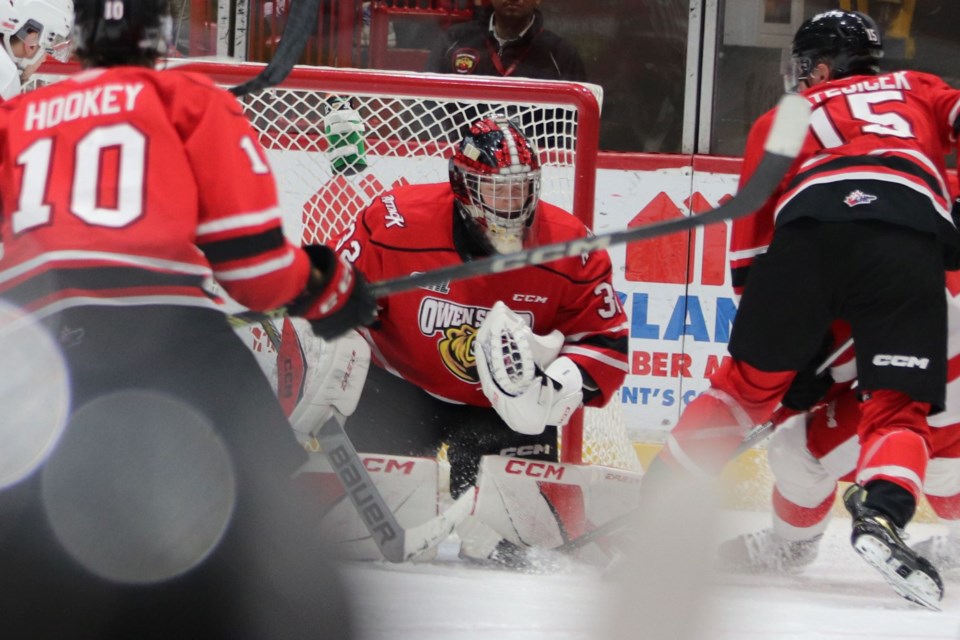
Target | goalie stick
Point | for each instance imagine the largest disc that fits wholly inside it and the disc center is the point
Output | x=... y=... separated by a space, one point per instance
x=302 y=18
x=396 y=543
x=783 y=143
x=750 y=440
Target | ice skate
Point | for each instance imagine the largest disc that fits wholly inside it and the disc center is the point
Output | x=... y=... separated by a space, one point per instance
x=880 y=543
x=766 y=552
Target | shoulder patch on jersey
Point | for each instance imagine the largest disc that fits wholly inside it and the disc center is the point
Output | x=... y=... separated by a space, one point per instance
x=465 y=60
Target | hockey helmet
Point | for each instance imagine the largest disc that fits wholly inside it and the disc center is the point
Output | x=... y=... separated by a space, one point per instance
x=50 y=20
x=849 y=41
x=495 y=174
x=111 y=33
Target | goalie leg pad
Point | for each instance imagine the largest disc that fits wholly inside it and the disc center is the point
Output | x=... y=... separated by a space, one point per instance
x=541 y=504
x=409 y=486
x=336 y=372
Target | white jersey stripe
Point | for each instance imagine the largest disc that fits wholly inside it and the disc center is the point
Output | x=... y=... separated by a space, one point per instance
x=239 y=221
x=53 y=257
x=256 y=270
x=199 y=300
x=593 y=354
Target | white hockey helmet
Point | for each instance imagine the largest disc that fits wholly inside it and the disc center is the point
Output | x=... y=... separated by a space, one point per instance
x=51 y=20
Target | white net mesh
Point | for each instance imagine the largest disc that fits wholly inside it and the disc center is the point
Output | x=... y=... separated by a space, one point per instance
x=402 y=139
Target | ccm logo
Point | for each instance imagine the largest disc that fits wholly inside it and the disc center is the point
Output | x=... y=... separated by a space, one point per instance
x=379 y=465
x=534 y=469
x=529 y=297
x=908 y=362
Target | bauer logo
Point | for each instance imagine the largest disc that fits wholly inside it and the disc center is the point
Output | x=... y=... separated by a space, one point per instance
x=906 y=362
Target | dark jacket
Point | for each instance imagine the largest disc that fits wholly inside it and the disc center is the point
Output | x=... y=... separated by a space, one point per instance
x=470 y=49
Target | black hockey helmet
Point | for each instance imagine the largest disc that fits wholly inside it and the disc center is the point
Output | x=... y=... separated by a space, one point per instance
x=110 y=33
x=495 y=174
x=849 y=41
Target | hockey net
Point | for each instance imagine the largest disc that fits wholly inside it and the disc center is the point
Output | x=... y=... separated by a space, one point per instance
x=411 y=123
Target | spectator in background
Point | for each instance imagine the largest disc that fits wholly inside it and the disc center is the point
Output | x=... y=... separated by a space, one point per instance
x=508 y=38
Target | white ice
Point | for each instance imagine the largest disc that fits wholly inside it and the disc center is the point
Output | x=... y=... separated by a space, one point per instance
x=839 y=597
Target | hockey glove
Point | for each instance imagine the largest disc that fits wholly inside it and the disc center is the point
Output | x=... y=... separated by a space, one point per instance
x=527 y=385
x=336 y=301
x=808 y=388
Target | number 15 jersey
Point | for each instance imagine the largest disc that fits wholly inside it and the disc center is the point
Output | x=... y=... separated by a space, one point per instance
x=876 y=150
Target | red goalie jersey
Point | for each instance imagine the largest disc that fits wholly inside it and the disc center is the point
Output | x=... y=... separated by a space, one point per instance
x=129 y=187
x=894 y=128
x=426 y=336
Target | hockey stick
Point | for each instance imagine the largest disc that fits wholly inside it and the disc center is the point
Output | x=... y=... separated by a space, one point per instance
x=761 y=431
x=750 y=440
x=396 y=543
x=783 y=143
x=302 y=18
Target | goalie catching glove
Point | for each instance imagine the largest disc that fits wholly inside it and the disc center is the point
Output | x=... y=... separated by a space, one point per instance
x=521 y=375
x=336 y=298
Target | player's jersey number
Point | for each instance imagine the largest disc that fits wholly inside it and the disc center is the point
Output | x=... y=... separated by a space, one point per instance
x=34 y=161
x=862 y=108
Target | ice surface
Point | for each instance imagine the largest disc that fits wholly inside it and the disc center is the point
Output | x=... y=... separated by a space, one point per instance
x=839 y=597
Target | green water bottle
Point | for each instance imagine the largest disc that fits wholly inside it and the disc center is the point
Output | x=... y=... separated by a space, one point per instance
x=344 y=131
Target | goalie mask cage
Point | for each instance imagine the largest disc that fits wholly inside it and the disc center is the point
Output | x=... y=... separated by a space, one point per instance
x=412 y=122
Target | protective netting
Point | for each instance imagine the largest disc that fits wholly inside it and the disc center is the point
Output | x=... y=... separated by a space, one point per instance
x=392 y=140
x=336 y=138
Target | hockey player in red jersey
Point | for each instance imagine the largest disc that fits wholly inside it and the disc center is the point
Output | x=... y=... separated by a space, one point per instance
x=430 y=383
x=124 y=189
x=858 y=232
x=810 y=453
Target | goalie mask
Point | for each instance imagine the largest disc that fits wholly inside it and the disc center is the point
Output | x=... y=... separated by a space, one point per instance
x=848 y=41
x=45 y=23
x=112 y=33
x=495 y=174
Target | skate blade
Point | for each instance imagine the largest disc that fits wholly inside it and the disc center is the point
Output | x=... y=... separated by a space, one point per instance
x=917 y=587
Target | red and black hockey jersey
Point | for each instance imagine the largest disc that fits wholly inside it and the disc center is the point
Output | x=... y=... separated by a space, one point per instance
x=870 y=136
x=426 y=335
x=128 y=186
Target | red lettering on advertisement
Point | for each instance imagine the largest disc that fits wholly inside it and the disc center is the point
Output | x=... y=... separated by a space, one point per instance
x=660 y=364
x=669 y=259
x=714 y=363
x=714 y=266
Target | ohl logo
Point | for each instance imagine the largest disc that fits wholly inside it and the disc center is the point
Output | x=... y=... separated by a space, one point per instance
x=670 y=259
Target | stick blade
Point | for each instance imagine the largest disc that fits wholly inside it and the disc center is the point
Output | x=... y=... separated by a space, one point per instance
x=428 y=535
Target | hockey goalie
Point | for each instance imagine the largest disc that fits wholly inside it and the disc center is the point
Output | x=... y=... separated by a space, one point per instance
x=529 y=503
